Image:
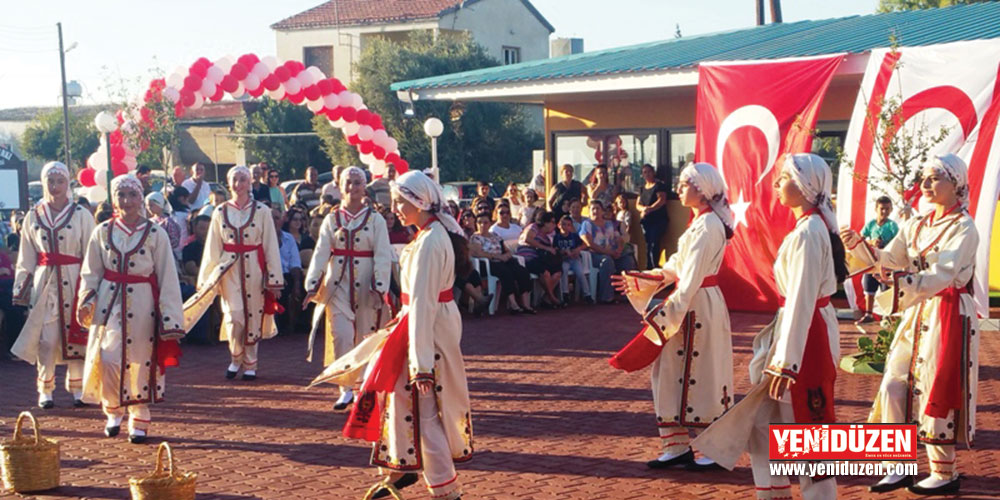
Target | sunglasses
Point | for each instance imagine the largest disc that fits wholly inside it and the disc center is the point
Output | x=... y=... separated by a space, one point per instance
x=504 y=212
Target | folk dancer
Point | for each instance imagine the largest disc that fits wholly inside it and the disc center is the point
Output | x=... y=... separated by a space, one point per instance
x=54 y=237
x=688 y=334
x=130 y=298
x=931 y=373
x=793 y=369
x=349 y=274
x=242 y=266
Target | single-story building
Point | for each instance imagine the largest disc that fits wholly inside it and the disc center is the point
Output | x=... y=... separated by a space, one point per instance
x=633 y=105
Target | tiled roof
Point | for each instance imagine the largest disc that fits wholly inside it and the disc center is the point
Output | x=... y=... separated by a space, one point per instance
x=854 y=34
x=358 y=12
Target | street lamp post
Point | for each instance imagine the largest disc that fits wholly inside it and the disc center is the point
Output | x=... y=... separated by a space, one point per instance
x=433 y=128
x=106 y=123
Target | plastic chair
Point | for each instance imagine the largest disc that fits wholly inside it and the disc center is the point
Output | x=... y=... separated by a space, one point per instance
x=491 y=282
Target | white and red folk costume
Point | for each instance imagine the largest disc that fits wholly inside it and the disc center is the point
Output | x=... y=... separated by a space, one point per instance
x=932 y=370
x=689 y=332
x=130 y=280
x=801 y=344
x=413 y=432
x=241 y=265
x=48 y=272
x=349 y=274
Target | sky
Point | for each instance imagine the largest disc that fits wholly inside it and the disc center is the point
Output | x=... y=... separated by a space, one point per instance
x=120 y=44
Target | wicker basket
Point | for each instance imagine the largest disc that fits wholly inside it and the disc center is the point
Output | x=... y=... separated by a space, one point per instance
x=29 y=464
x=163 y=484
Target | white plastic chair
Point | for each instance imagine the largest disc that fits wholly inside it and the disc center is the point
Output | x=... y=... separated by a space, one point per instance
x=491 y=282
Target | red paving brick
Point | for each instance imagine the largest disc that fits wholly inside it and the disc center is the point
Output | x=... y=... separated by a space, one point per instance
x=552 y=420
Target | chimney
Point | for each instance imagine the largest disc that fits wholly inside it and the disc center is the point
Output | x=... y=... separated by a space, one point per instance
x=775 y=11
x=760 y=12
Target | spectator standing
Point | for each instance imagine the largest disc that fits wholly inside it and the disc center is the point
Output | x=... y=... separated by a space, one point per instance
x=540 y=256
x=515 y=281
x=259 y=188
x=653 y=217
x=276 y=193
x=197 y=186
x=156 y=205
x=878 y=232
x=378 y=189
x=607 y=249
x=600 y=187
x=537 y=184
x=177 y=176
x=565 y=190
x=623 y=216
x=398 y=233
x=291 y=268
x=483 y=196
x=332 y=189
x=515 y=200
x=503 y=227
x=530 y=207
x=180 y=211
x=308 y=192
x=570 y=246
x=142 y=173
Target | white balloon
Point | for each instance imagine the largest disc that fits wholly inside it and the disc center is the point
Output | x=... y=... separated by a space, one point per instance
x=331 y=101
x=225 y=63
x=270 y=61
x=93 y=161
x=199 y=101
x=97 y=193
x=175 y=80
x=362 y=105
x=251 y=83
x=130 y=162
x=215 y=74
x=378 y=167
x=183 y=71
x=260 y=70
x=276 y=94
x=240 y=90
x=351 y=128
x=207 y=88
x=305 y=78
x=292 y=86
x=314 y=106
x=365 y=133
x=101 y=171
x=379 y=137
x=171 y=94
x=345 y=98
x=391 y=145
x=367 y=159
x=338 y=123
x=315 y=73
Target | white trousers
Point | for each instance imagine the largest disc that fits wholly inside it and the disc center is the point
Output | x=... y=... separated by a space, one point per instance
x=242 y=355
x=343 y=337
x=941 y=458
x=439 y=468
x=49 y=355
x=779 y=487
x=111 y=363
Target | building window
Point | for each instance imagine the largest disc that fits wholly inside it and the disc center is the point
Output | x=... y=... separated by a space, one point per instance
x=624 y=152
x=511 y=55
x=321 y=57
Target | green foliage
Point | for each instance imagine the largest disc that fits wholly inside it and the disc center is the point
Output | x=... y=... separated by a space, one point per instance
x=481 y=140
x=158 y=137
x=44 y=139
x=290 y=155
x=875 y=350
x=900 y=5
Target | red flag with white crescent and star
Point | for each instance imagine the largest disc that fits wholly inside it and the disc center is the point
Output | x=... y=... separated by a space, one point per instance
x=749 y=115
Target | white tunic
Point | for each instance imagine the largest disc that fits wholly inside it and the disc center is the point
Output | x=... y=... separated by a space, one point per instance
x=933 y=255
x=693 y=376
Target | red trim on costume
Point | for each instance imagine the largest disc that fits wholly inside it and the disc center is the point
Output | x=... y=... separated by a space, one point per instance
x=812 y=392
x=674 y=434
x=446 y=483
x=946 y=390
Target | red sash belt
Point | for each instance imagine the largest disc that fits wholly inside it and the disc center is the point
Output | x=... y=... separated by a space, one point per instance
x=57 y=259
x=946 y=389
x=168 y=352
x=812 y=392
x=365 y=419
x=353 y=253
x=640 y=352
x=271 y=305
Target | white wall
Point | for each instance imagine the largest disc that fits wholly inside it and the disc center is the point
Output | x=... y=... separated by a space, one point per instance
x=496 y=23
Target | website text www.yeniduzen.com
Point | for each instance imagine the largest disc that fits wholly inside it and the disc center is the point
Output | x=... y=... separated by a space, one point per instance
x=874 y=469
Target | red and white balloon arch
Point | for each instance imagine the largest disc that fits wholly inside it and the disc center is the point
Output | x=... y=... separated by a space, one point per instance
x=204 y=81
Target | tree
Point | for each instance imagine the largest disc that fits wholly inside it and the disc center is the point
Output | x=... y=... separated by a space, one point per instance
x=900 y=5
x=44 y=138
x=485 y=140
x=155 y=134
x=290 y=155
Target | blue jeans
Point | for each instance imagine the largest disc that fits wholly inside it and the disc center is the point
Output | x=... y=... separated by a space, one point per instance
x=575 y=265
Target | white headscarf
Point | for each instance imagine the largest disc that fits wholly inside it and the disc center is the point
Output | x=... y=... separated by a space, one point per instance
x=426 y=195
x=237 y=170
x=813 y=177
x=346 y=174
x=954 y=168
x=124 y=182
x=53 y=168
x=157 y=199
x=706 y=178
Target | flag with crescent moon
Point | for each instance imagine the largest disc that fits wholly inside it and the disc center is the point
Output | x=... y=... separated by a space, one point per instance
x=751 y=113
x=953 y=85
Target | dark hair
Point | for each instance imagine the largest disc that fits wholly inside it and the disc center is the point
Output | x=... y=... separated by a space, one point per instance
x=883 y=200
x=463 y=263
x=839 y=257
x=482 y=184
x=83 y=202
x=142 y=169
x=200 y=218
x=484 y=213
x=565 y=217
x=103 y=215
x=288 y=218
x=544 y=217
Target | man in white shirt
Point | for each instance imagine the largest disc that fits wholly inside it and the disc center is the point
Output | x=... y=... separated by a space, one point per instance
x=198 y=186
x=378 y=189
x=330 y=188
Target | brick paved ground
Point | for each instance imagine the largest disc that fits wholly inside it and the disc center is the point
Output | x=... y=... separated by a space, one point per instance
x=552 y=420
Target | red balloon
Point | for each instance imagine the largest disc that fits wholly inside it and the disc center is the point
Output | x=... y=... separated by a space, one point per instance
x=158 y=84
x=379 y=152
x=334 y=114
x=248 y=60
x=282 y=73
x=270 y=83
x=295 y=98
x=116 y=136
x=391 y=158
x=187 y=98
x=229 y=83
x=239 y=71
x=203 y=62
x=219 y=94
x=348 y=114
x=86 y=177
x=198 y=70
x=402 y=166
x=118 y=168
x=293 y=67
x=259 y=91
x=375 y=122
x=192 y=83
x=117 y=152
x=363 y=116
x=178 y=109
x=337 y=86
x=325 y=86
x=312 y=92
x=353 y=140
x=366 y=147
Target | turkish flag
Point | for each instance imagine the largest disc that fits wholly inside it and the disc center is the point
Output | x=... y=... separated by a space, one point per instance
x=749 y=115
x=955 y=86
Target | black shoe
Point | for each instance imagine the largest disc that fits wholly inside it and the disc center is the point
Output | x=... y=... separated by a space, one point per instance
x=686 y=458
x=530 y=311
x=407 y=480
x=249 y=377
x=79 y=403
x=230 y=374
x=112 y=431
x=944 y=489
x=343 y=406
x=47 y=405
x=136 y=439
x=906 y=481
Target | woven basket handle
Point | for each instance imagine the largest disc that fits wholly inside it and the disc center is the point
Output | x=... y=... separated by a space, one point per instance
x=159 y=459
x=34 y=424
